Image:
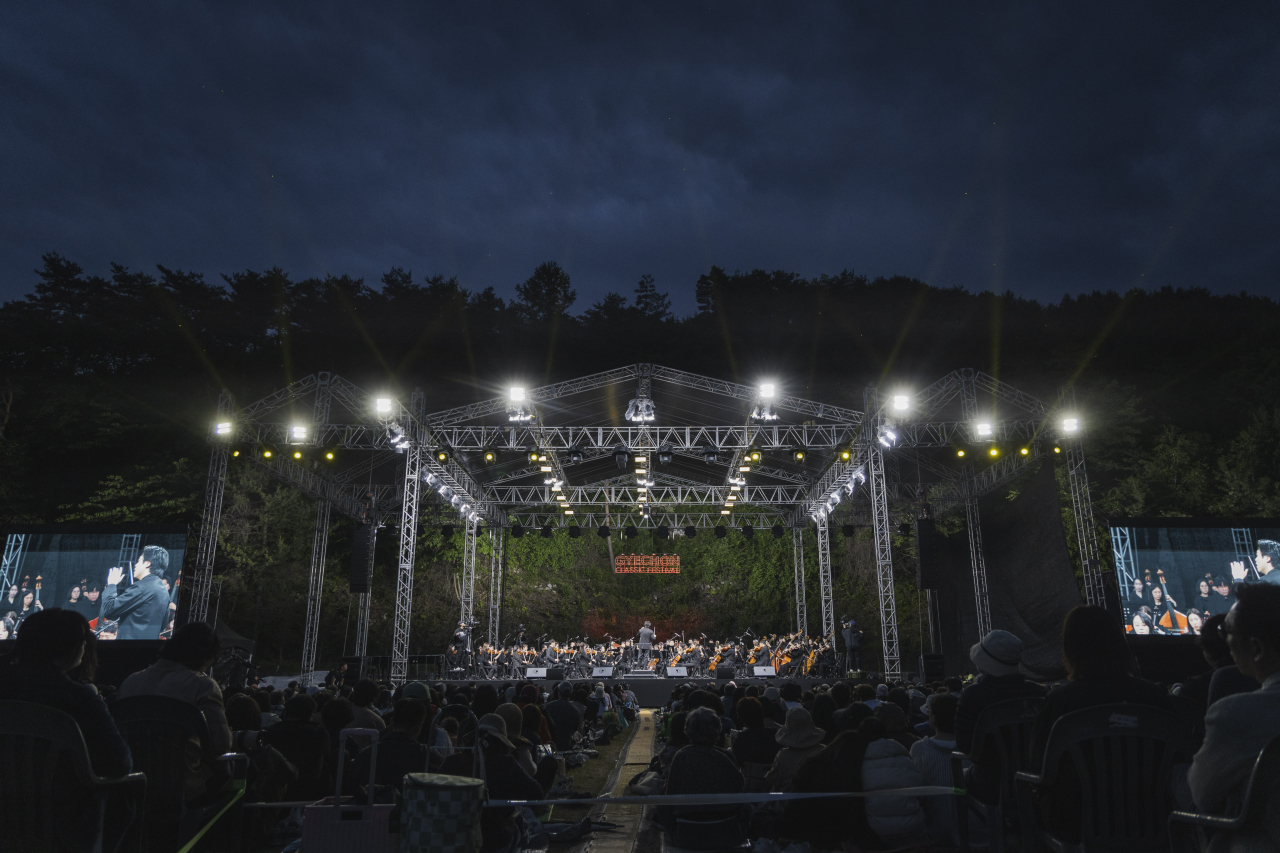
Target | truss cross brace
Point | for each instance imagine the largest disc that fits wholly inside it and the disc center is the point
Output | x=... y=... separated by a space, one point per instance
x=315 y=589
x=210 y=519
x=797 y=544
x=884 y=563
x=979 y=565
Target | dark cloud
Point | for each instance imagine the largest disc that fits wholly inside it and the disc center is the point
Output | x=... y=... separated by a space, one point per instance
x=1045 y=148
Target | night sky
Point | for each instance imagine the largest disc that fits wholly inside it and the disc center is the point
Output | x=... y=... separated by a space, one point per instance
x=1044 y=148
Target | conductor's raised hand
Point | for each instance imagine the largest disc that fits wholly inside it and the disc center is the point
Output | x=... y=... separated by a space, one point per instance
x=115 y=575
x=1238 y=570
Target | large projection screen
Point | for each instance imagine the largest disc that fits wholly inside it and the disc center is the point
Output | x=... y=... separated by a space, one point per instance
x=123 y=578
x=1175 y=573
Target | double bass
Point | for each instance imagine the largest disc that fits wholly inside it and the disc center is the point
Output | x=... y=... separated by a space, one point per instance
x=1172 y=619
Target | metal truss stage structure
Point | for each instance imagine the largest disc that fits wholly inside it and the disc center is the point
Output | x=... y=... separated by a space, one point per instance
x=691 y=453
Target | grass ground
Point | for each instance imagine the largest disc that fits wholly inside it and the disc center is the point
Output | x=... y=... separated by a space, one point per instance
x=593 y=776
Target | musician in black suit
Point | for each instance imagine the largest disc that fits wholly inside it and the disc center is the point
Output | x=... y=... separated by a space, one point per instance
x=143 y=608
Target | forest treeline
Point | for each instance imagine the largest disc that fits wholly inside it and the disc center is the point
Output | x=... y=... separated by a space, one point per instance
x=107 y=386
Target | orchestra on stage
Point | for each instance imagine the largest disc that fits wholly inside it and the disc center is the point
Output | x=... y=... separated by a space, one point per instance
x=791 y=656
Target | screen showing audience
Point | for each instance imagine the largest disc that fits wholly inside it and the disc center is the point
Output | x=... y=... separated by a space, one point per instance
x=1174 y=574
x=124 y=579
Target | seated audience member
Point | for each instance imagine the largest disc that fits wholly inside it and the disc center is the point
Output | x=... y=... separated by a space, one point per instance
x=1228 y=681
x=363 y=714
x=755 y=743
x=305 y=745
x=701 y=768
x=398 y=751
x=564 y=717
x=267 y=715
x=1195 y=688
x=932 y=757
x=894 y=720
x=997 y=658
x=504 y=780
x=676 y=740
x=823 y=709
x=269 y=772
x=799 y=739
x=1238 y=727
x=335 y=716
x=862 y=760
x=180 y=674
x=1100 y=670
x=532 y=724
x=52 y=643
x=514 y=718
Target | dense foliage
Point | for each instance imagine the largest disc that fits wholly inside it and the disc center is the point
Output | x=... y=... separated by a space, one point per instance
x=107 y=386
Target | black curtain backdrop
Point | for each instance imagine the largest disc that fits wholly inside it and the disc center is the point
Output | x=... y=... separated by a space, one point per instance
x=1030 y=581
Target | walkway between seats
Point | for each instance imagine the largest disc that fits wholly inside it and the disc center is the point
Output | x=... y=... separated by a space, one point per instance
x=629 y=817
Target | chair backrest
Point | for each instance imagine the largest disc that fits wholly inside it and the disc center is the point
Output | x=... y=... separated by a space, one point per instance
x=708 y=832
x=1263 y=786
x=1002 y=740
x=44 y=766
x=1122 y=756
x=159 y=731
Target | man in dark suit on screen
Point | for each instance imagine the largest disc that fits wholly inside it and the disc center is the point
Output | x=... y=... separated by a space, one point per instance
x=143 y=608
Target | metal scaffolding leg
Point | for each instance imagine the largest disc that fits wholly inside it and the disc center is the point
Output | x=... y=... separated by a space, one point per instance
x=210 y=520
x=404 y=572
x=362 y=625
x=979 y=565
x=824 y=577
x=797 y=545
x=495 y=586
x=884 y=563
x=469 y=574
x=1086 y=533
x=315 y=590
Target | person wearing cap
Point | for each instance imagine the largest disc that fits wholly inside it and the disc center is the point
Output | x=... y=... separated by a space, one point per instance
x=997 y=657
x=504 y=780
x=799 y=738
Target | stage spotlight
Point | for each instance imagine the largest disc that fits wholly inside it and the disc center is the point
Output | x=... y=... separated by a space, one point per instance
x=690 y=532
x=235 y=453
x=846 y=455
x=748 y=531
x=442 y=456
x=797 y=455
x=767 y=390
x=575 y=456
x=490 y=457
x=575 y=531
x=984 y=429
x=960 y=454
x=901 y=402
x=384 y=405
x=603 y=531
x=754 y=454
x=517 y=531
x=516 y=395
x=848 y=530
x=710 y=456
x=724 y=512
x=533 y=456
x=621 y=457
x=329 y=456
x=664 y=456
x=631 y=532
x=297 y=435
x=266 y=453
x=744 y=469
x=446 y=531
x=721 y=532
x=886 y=435
x=1070 y=424
x=222 y=429
x=662 y=531
x=779 y=531
x=548 y=531
x=1057 y=450
x=994 y=452
x=1024 y=451
x=297 y=454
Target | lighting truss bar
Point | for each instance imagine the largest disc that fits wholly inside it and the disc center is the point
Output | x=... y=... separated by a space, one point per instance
x=761 y=521
x=347 y=499
x=750 y=394
x=661 y=493
x=687 y=439
x=498 y=405
x=933 y=399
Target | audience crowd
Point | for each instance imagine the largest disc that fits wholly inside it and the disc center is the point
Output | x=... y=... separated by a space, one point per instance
x=718 y=737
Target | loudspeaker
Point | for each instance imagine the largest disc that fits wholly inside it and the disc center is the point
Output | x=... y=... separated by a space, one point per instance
x=556 y=674
x=362 y=558
x=933 y=668
x=927 y=575
x=532 y=672
x=355 y=670
x=763 y=671
x=602 y=672
x=724 y=673
x=677 y=672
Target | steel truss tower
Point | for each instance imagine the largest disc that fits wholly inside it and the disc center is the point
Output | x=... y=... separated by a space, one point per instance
x=495 y=586
x=315 y=589
x=824 y=576
x=884 y=562
x=211 y=518
x=468 y=591
x=797 y=545
x=408 y=545
x=1082 y=510
x=979 y=565
x=363 y=601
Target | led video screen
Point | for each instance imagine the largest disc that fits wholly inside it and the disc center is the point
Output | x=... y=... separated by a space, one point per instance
x=1173 y=573
x=123 y=578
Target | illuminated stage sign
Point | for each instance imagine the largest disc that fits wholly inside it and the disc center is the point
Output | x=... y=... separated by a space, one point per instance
x=646 y=564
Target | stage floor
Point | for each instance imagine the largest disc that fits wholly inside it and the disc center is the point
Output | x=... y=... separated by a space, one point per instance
x=655 y=692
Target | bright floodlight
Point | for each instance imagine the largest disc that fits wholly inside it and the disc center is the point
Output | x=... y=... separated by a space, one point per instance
x=222 y=429
x=901 y=402
x=1070 y=424
x=384 y=405
x=767 y=390
x=517 y=394
x=298 y=433
x=984 y=429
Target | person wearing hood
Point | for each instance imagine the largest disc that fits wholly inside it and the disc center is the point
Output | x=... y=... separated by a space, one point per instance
x=799 y=739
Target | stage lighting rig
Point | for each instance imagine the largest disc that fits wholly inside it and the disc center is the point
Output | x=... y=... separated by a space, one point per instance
x=603 y=531
x=575 y=455
x=1070 y=424
x=517 y=531
x=753 y=454
x=384 y=405
x=533 y=456
x=690 y=532
x=548 y=531
x=887 y=436
x=223 y=429
x=490 y=457
x=641 y=410
x=901 y=402
x=665 y=455
x=747 y=531
x=442 y=455
x=778 y=531
x=983 y=429
x=798 y=456
x=959 y=454
x=518 y=409
x=845 y=454
x=710 y=457
x=621 y=457
x=631 y=531
x=721 y=531
x=298 y=434
x=662 y=531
